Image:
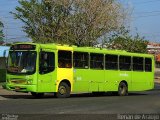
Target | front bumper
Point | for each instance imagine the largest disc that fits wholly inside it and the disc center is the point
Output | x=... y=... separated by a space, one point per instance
x=20 y=88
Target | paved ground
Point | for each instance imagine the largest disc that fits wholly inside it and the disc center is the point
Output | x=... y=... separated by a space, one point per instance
x=81 y=106
x=139 y=102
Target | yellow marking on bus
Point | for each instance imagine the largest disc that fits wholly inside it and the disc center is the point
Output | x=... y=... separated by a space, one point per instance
x=64 y=73
x=65 y=48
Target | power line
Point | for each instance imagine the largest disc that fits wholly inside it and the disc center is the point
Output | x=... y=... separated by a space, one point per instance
x=6 y=16
x=155 y=33
x=13 y=28
x=141 y=16
x=8 y=3
x=15 y=35
x=151 y=1
x=18 y=37
x=147 y=12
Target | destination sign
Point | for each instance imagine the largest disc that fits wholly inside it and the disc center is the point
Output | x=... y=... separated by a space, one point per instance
x=23 y=47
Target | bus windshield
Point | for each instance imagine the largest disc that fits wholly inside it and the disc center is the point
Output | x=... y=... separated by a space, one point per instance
x=21 y=62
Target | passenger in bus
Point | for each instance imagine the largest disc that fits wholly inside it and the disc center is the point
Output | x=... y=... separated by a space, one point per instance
x=44 y=63
x=60 y=64
x=68 y=65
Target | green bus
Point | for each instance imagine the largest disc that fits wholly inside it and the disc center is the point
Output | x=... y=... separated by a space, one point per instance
x=63 y=69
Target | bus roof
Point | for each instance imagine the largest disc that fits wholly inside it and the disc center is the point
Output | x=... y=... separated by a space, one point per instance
x=86 y=49
x=108 y=51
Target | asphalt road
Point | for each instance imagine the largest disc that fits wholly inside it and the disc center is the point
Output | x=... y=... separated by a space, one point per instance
x=139 y=102
x=23 y=104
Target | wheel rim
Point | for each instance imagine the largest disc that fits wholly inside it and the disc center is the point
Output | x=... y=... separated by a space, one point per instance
x=62 y=90
x=123 y=89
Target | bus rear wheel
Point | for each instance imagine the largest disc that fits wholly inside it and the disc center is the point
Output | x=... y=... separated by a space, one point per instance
x=37 y=95
x=63 y=90
x=122 y=89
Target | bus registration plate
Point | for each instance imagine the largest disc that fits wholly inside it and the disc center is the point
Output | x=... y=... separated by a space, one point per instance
x=17 y=88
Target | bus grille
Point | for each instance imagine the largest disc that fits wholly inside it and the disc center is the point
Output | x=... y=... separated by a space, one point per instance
x=18 y=81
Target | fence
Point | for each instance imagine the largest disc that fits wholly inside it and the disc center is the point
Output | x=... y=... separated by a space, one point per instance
x=3 y=55
x=2 y=69
x=157 y=64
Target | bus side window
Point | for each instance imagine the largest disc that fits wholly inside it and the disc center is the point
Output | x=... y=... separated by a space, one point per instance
x=64 y=59
x=80 y=60
x=96 y=61
x=148 y=64
x=125 y=63
x=111 y=62
x=47 y=62
x=138 y=64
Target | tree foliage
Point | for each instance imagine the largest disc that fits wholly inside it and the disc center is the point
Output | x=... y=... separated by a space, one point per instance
x=78 y=22
x=122 y=40
x=1 y=32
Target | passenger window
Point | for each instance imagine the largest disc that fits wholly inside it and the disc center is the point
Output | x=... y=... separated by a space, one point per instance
x=125 y=63
x=148 y=64
x=80 y=60
x=137 y=63
x=47 y=62
x=64 y=59
x=111 y=62
x=96 y=61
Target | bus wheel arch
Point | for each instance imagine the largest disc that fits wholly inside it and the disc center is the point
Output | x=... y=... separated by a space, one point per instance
x=123 y=88
x=64 y=89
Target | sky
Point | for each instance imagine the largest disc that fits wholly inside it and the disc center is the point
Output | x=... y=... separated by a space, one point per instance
x=4 y=51
x=145 y=19
x=12 y=28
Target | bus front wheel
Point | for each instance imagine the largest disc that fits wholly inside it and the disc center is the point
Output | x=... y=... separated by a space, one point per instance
x=122 y=89
x=63 y=90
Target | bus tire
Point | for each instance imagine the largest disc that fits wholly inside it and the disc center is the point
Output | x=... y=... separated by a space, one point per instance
x=37 y=95
x=122 y=89
x=63 y=90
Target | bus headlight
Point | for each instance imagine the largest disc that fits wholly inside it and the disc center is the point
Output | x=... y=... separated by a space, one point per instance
x=29 y=81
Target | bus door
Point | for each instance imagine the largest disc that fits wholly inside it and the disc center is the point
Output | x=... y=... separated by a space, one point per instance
x=47 y=74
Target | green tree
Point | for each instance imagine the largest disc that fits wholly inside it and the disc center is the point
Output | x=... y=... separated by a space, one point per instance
x=122 y=40
x=78 y=22
x=1 y=32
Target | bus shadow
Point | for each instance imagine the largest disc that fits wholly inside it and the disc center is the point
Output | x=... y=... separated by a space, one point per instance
x=104 y=95
x=26 y=97
x=17 y=96
x=82 y=95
